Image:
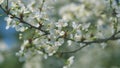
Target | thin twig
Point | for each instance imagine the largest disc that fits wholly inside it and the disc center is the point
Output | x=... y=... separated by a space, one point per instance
x=76 y=50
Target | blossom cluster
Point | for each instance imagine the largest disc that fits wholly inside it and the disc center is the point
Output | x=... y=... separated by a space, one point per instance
x=78 y=21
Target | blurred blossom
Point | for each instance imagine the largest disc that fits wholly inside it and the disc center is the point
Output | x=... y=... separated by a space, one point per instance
x=3 y=46
x=1 y=58
x=1 y=1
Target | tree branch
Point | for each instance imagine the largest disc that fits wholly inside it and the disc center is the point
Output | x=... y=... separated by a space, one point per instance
x=90 y=42
x=22 y=21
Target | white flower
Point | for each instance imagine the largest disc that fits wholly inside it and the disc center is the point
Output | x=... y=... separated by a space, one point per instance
x=74 y=25
x=59 y=42
x=40 y=52
x=25 y=42
x=51 y=50
x=65 y=66
x=69 y=42
x=20 y=36
x=9 y=20
x=69 y=62
x=1 y=1
x=103 y=45
x=62 y=33
x=77 y=37
x=61 y=23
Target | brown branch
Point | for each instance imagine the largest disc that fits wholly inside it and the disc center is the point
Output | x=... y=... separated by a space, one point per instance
x=76 y=50
x=41 y=8
x=22 y=21
x=98 y=40
x=7 y=5
x=90 y=42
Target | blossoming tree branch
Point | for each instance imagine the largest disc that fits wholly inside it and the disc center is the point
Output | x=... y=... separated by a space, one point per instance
x=50 y=30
